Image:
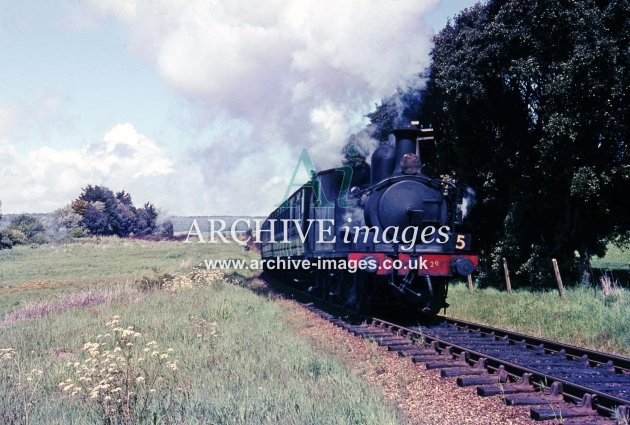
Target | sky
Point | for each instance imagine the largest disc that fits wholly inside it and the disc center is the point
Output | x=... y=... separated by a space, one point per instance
x=201 y=107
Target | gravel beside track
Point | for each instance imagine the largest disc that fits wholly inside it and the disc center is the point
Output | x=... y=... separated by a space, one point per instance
x=420 y=394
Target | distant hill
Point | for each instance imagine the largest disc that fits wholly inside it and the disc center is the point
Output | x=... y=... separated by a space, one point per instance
x=181 y=224
x=6 y=218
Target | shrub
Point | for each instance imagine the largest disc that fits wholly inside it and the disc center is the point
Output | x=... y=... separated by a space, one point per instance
x=166 y=229
x=64 y=224
x=29 y=226
x=11 y=237
x=5 y=242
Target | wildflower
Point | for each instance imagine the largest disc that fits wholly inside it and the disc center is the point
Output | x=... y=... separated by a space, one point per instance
x=7 y=353
x=139 y=380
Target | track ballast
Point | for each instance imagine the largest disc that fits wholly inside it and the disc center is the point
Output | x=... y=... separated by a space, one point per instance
x=560 y=382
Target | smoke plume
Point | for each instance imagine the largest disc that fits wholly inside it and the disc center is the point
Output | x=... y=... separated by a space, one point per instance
x=266 y=79
x=468 y=202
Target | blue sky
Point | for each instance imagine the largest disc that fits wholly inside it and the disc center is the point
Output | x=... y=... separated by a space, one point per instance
x=192 y=104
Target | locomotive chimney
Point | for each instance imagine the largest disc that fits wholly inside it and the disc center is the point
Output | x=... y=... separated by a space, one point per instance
x=406 y=142
x=383 y=163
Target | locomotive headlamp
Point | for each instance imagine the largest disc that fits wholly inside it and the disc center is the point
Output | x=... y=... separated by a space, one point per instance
x=370 y=263
x=410 y=163
x=462 y=266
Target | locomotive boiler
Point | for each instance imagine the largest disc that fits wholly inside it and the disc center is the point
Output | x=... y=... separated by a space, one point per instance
x=379 y=235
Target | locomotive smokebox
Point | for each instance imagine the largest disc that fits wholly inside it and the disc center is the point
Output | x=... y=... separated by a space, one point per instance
x=406 y=143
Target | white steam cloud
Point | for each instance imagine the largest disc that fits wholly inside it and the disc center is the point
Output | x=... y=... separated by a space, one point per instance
x=469 y=201
x=292 y=73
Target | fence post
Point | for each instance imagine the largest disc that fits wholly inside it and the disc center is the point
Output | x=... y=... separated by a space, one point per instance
x=508 y=284
x=470 y=284
x=558 y=277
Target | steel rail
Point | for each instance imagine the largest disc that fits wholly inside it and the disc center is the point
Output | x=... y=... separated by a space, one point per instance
x=622 y=364
x=606 y=402
x=602 y=403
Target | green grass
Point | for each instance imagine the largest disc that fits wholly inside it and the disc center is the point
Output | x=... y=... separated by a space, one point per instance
x=252 y=370
x=104 y=260
x=38 y=272
x=238 y=359
x=615 y=259
x=584 y=317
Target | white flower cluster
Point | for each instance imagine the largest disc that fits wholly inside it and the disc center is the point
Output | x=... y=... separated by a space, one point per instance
x=194 y=279
x=116 y=373
x=7 y=353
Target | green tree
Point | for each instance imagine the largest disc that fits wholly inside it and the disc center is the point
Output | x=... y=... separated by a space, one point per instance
x=65 y=223
x=104 y=213
x=146 y=220
x=28 y=226
x=529 y=101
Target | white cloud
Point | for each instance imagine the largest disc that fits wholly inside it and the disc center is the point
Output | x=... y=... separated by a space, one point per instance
x=290 y=73
x=46 y=178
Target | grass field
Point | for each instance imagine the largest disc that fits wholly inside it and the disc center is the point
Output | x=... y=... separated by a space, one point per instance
x=213 y=352
x=204 y=348
x=585 y=317
x=615 y=258
x=595 y=317
x=38 y=272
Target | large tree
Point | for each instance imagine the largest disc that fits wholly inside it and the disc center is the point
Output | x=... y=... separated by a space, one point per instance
x=529 y=101
x=106 y=213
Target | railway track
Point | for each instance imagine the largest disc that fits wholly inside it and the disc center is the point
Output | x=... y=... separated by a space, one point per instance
x=559 y=382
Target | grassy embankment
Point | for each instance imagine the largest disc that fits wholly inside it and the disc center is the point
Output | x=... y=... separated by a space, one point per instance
x=597 y=317
x=211 y=353
x=30 y=273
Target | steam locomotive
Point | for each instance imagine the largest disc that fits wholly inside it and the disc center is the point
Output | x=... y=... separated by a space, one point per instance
x=369 y=236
